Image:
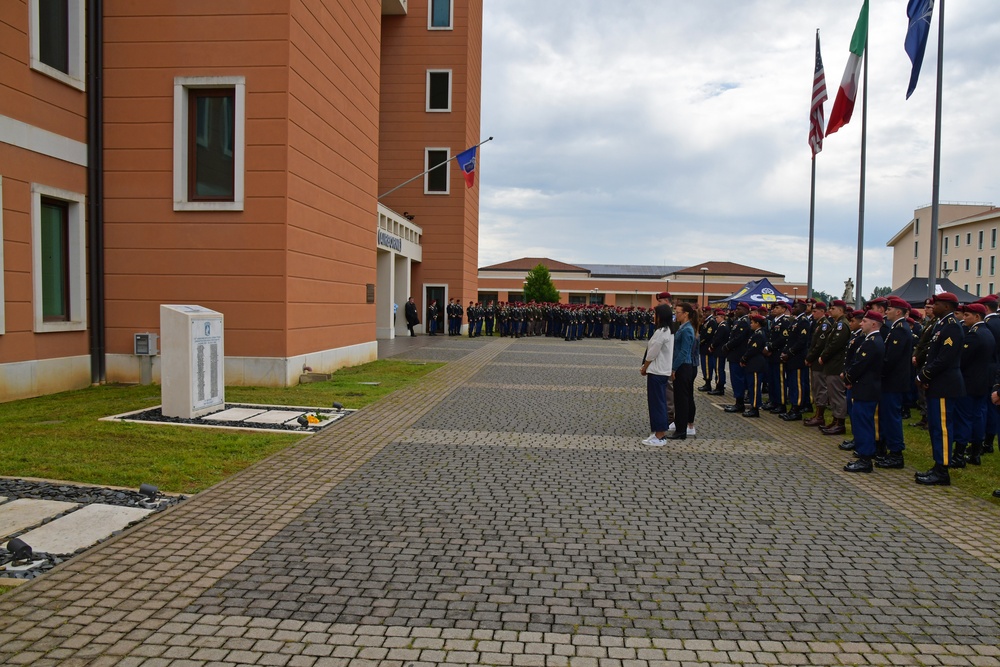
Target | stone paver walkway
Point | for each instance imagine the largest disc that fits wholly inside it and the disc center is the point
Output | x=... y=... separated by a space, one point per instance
x=503 y=511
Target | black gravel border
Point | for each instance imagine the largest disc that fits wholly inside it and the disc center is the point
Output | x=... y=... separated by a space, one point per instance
x=16 y=489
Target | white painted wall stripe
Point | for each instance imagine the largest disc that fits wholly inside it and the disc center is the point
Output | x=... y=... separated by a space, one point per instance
x=37 y=140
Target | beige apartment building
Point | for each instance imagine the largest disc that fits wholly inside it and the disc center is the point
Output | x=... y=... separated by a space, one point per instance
x=967 y=247
x=231 y=155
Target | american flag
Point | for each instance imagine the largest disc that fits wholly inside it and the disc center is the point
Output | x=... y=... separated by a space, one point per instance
x=817 y=120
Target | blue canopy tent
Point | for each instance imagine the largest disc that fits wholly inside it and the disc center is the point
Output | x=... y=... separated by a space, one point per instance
x=756 y=293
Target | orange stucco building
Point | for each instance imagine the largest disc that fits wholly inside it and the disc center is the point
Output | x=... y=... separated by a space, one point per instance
x=229 y=155
x=628 y=285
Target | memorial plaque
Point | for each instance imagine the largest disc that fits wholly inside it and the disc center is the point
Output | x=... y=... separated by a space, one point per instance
x=193 y=367
x=206 y=364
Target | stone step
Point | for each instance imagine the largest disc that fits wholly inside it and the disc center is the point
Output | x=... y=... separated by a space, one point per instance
x=82 y=528
x=24 y=513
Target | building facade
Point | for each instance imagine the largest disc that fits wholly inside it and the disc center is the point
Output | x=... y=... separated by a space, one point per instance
x=232 y=157
x=625 y=285
x=966 y=247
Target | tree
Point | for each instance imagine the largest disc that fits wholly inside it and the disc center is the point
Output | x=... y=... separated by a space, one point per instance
x=820 y=295
x=879 y=291
x=538 y=286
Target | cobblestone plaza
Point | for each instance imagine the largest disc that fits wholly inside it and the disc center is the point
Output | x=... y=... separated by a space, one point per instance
x=503 y=511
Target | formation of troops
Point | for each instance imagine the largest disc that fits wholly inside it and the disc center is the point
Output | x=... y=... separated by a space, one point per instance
x=873 y=366
x=819 y=364
x=562 y=320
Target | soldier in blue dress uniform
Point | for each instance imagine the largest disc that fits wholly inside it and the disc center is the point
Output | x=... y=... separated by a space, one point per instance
x=864 y=377
x=977 y=358
x=777 y=338
x=896 y=382
x=794 y=357
x=941 y=379
x=718 y=358
x=754 y=364
x=734 y=349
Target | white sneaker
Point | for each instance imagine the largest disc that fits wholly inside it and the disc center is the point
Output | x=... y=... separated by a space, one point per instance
x=672 y=427
x=691 y=432
x=653 y=441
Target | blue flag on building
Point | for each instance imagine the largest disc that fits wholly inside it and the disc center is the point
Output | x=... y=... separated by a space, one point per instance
x=467 y=163
x=919 y=13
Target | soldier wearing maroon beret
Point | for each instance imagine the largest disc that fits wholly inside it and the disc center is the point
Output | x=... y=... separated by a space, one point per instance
x=992 y=323
x=864 y=377
x=941 y=378
x=971 y=408
x=754 y=364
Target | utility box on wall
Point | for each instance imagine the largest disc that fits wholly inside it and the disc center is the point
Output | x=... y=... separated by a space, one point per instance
x=192 y=361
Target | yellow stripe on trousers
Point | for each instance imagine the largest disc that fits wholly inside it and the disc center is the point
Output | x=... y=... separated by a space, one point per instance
x=945 y=438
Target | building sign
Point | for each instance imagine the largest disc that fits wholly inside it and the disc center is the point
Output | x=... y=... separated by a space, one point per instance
x=391 y=241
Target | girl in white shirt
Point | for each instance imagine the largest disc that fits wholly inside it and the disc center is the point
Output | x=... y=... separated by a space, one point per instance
x=657 y=367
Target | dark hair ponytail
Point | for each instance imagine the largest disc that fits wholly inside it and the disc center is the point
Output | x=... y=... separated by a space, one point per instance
x=664 y=316
x=693 y=315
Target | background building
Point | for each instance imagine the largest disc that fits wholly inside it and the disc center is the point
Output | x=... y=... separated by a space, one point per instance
x=158 y=152
x=967 y=247
x=623 y=285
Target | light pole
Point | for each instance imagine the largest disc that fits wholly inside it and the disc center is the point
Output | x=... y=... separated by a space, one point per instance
x=795 y=293
x=704 y=273
x=593 y=293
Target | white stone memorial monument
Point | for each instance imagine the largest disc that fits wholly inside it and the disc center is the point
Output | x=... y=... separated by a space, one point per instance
x=192 y=361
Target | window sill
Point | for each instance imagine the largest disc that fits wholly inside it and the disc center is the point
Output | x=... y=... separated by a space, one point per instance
x=61 y=77
x=57 y=327
x=208 y=205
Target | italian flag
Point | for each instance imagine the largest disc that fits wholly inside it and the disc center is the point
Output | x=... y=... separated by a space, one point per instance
x=843 y=106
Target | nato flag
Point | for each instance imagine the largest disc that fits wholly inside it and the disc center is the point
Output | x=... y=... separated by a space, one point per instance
x=919 y=13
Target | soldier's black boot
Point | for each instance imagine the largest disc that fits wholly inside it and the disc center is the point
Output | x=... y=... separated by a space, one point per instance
x=779 y=409
x=793 y=415
x=880 y=449
x=720 y=390
x=847 y=445
x=936 y=476
x=957 y=459
x=705 y=387
x=861 y=464
x=751 y=412
x=974 y=457
x=739 y=406
x=988 y=445
x=890 y=460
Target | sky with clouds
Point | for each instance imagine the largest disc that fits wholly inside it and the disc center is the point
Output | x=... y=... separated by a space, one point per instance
x=668 y=132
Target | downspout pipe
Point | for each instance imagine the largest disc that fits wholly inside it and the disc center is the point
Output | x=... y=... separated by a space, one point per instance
x=95 y=189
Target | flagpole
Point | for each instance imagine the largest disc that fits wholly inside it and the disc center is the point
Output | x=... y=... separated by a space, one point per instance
x=812 y=230
x=859 y=299
x=936 y=187
x=429 y=170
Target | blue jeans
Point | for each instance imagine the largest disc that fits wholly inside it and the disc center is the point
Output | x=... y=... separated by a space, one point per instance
x=656 y=397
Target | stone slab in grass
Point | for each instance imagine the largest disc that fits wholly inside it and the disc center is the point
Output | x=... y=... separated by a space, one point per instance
x=82 y=528
x=234 y=414
x=276 y=416
x=19 y=514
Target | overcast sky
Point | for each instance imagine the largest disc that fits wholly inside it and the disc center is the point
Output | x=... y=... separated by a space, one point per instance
x=669 y=132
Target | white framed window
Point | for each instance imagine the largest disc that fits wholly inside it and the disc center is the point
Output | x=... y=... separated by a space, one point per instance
x=968 y=265
x=979 y=266
x=438 y=90
x=916 y=246
x=981 y=235
x=946 y=245
x=3 y=307
x=440 y=14
x=437 y=180
x=209 y=143
x=993 y=265
x=59 y=261
x=57 y=40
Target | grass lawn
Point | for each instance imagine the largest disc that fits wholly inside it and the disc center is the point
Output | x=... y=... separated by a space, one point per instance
x=60 y=437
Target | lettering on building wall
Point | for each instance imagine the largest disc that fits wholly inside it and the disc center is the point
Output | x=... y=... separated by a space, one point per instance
x=391 y=241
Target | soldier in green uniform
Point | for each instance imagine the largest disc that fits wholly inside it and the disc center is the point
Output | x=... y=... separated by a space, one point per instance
x=817 y=379
x=831 y=360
